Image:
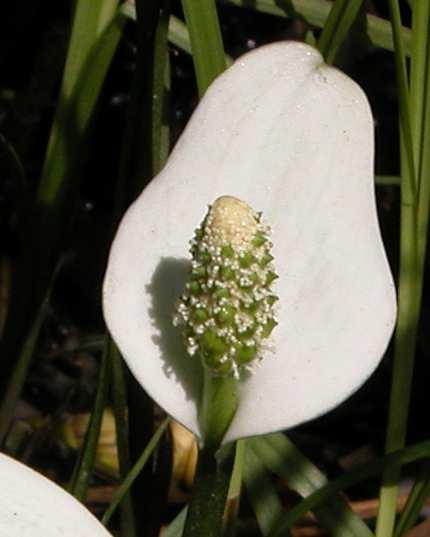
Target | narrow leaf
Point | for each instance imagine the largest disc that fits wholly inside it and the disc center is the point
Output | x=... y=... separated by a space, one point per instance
x=178 y=32
x=206 y=41
x=315 y=13
x=326 y=493
x=135 y=471
x=413 y=241
x=119 y=402
x=336 y=27
x=416 y=500
x=404 y=102
x=85 y=464
x=261 y=492
x=234 y=491
x=280 y=455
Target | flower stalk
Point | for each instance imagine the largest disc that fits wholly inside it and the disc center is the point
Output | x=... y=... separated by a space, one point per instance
x=206 y=509
x=225 y=313
x=218 y=406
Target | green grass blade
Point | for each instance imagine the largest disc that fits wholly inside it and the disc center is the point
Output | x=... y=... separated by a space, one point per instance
x=280 y=456
x=84 y=34
x=180 y=37
x=145 y=134
x=86 y=31
x=206 y=41
x=160 y=94
x=326 y=493
x=74 y=115
x=379 y=34
x=17 y=379
x=261 y=493
x=416 y=500
x=135 y=471
x=119 y=403
x=315 y=13
x=404 y=103
x=107 y=13
x=85 y=464
x=336 y=27
x=178 y=33
x=418 y=77
x=413 y=240
x=409 y=293
x=235 y=486
x=424 y=156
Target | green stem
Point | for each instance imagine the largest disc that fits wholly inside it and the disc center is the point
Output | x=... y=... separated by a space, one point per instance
x=218 y=405
x=206 y=510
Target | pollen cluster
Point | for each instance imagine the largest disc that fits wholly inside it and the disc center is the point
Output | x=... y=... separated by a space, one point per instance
x=226 y=310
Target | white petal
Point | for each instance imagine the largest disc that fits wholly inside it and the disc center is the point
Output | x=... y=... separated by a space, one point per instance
x=33 y=506
x=293 y=138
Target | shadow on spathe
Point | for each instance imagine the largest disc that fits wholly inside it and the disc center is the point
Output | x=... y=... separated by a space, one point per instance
x=167 y=284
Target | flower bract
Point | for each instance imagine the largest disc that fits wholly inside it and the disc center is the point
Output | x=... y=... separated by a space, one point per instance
x=33 y=506
x=293 y=138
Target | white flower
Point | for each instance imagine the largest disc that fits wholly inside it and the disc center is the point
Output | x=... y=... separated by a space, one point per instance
x=293 y=138
x=33 y=506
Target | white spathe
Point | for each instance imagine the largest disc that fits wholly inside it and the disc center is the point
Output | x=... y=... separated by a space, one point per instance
x=293 y=138
x=33 y=506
